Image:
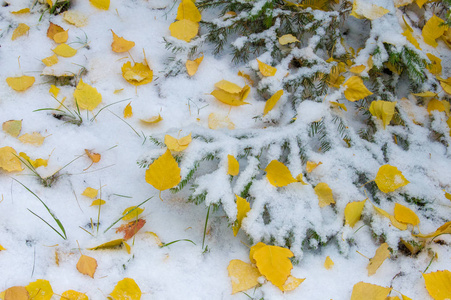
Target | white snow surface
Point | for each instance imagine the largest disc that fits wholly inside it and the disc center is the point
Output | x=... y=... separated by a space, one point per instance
x=183 y=270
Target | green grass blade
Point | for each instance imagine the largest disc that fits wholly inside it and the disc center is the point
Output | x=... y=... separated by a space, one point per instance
x=129 y=212
x=47 y=224
x=95 y=116
x=176 y=241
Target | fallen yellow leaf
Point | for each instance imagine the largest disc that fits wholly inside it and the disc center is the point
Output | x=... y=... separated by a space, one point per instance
x=35 y=163
x=278 y=174
x=184 y=30
x=152 y=120
x=353 y=211
x=54 y=90
x=405 y=215
x=87 y=265
x=90 y=192
x=383 y=110
x=138 y=74
x=40 y=289
x=444 y=229
x=266 y=70
x=16 y=293
x=35 y=139
x=382 y=253
x=86 y=96
x=126 y=289
x=53 y=29
x=120 y=44
x=355 y=89
x=50 y=61
x=64 y=50
x=328 y=263
x=128 y=112
x=9 y=160
x=75 y=18
x=177 y=144
x=233 y=166
x=253 y=249
x=364 y=10
x=311 y=166
x=12 y=127
x=368 y=291
x=133 y=215
x=95 y=157
x=242 y=275
x=193 y=65
x=73 y=295
x=243 y=207
x=271 y=102
x=101 y=4
x=21 y=83
x=21 y=11
x=438 y=284
x=61 y=37
x=324 y=193
x=292 y=283
x=409 y=36
x=435 y=67
x=274 y=263
x=98 y=202
x=187 y=10
x=432 y=30
x=231 y=93
x=216 y=121
x=109 y=245
x=20 y=30
x=389 y=178
x=287 y=39
x=164 y=172
x=392 y=219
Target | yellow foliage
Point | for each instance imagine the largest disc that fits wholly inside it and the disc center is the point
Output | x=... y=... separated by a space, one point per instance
x=435 y=67
x=20 y=30
x=164 y=172
x=75 y=18
x=243 y=207
x=311 y=166
x=271 y=102
x=184 y=30
x=215 y=121
x=368 y=291
x=126 y=289
x=253 y=249
x=87 y=96
x=230 y=93
x=61 y=37
x=133 y=215
x=73 y=295
x=353 y=211
x=120 y=44
x=152 y=120
x=16 y=293
x=363 y=10
x=287 y=39
x=409 y=36
x=109 y=245
x=180 y=144
x=50 y=61
x=444 y=229
x=242 y=275
x=383 y=110
x=266 y=70
x=432 y=30
x=12 y=127
x=64 y=50
x=54 y=90
x=90 y=192
x=438 y=284
x=233 y=166
x=274 y=263
x=21 y=11
x=406 y=215
x=291 y=283
x=328 y=263
x=324 y=193
x=187 y=10
x=392 y=219
x=278 y=174
x=87 y=265
x=382 y=253
x=98 y=202
x=138 y=74
x=389 y=178
x=35 y=163
x=101 y=4
x=40 y=289
x=35 y=139
x=21 y=83
x=128 y=112
x=8 y=160
x=193 y=65
x=355 y=89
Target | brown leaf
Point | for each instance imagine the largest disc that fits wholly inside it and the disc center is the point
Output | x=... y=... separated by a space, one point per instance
x=87 y=265
x=16 y=293
x=53 y=29
x=131 y=228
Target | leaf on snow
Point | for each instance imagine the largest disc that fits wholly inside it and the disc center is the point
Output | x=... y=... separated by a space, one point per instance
x=324 y=193
x=9 y=160
x=21 y=83
x=90 y=192
x=126 y=289
x=20 y=30
x=266 y=70
x=438 y=284
x=120 y=44
x=383 y=110
x=74 y=295
x=12 y=127
x=230 y=93
x=180 y=144
x=368 y=291
x=278 y=174
x=187 y=10
x=389 y=178
x=405 y=215
x=40 y=290
x=328 y=263
x=133 y=215
x=444 y=229
x=131 y=228
x=382 y=253
x=242 y=275
x=64 y=50
x=87 y=265
x=274 y=263
x=101 y=4
x=233 y=166
x=138 y=74
x=271 y=102
x=184 y=30
x=432 y=30
x=353 y=211
x=292 y=283
x=287 y=39
x=35 y=139
x=164 y=172
x=364 y=10
x=16 y=293
x=193 y=65
x=243 y=207
x=355 y=89
x=87 y=96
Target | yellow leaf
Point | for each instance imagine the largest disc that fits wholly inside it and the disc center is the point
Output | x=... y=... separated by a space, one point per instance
x=382 y=253
x=438 y=284
x=300 y=179
x=120 y=44
x=95 y=157
x=12 y=127
x=339 y=105
x=152 y=120
x=53 y=29
x=126 y=289
x=215 y=121
x=156 y=238
x=355 y=89
x=242 y=275
x=292 y=283
x=230 y=93
x=278 y=174
x=184 y=30
x=353 y=211
x=444 y=229
x=335 y=79
x=435 y=67
x=228 y=87
x=73 y=295
x=409 y=36
x=98 y=202
x=138 y=74
x=287 y=39
x=133 y=215
x=392 y=219
x=420 y=3
x=35 y=139
x=188 y=11
x=253 y=249
x=271 y=102
x=164 y=172
x=193 y=65
x=426 y=94
x=61 y=37
x=438 y=105
x=20 y=30
x=328 y=263
x=311 y=166
x=432 y=30
x=90 y=192
x=265 y=69
x=50 y=61
x=368 y=291
x=128 y=113
x=324 y=193
x=446 y=84
x=109 y=245
x=75 y=18
x=54 y=90
x=16 y=293
x=406 y=215
x=389 y=178
x=447 y=37
x=247 y=77
x=357 y=69
x=35 y=163
x=364 y=10
x=448 y=196
x=243 y=207
x=383 y=110
x=21 y=11
x=233 y=166
x=8 y=160
x=180 y=144
x=40 y=290
x=87 y=96
x=21 y=83
x=101 y=4
x=64 y=50
x=87 y=265
x=274 y=263
x=2 y=248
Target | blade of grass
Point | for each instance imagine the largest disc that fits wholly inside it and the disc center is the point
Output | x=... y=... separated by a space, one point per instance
x=205 y=227
x=126 y=123
x=60 y=225
x=47 y=223
x=93 y=118
x=129 y=212
x=176 y=241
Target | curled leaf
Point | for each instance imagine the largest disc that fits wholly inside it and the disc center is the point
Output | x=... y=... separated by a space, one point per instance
x=177 y=144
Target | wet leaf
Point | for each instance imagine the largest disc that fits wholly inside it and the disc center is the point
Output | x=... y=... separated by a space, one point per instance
x=87 y=96
x=138 y=74
x=126 y=289
x=382 y=253
x=389 y=179
x=266 y=70
x=243 y=207
x=243 y=276
x=324 y=193
x=21 y=83
x=120 y=45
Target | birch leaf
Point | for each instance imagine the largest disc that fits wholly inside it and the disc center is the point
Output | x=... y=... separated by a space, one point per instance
x=8 y=160
x=184 y=30
x=274 y=263
x=180 y=144
x=392 y=219
x=405 y=215
x=94 y=157
x=61 y=37
x=187 y=10
x=133 y=215
x=230 y=93
x=435 y=67
x=328 y=263
x=138 y=74
x=51 y=60
x=64 y=50
x=216 y=121
x=324 y=193
x=152 y=120
x=128 y=112
x=87 y=96
x=73 y=295
x=253 y=249
x=287 y=39
x=368 y=291
x=271 y=102
x=292 y=283
x=54 y=90
x=120 y=44
x=164 y=172
x=101 y=4
x=131 y=228
x=383 y=110
x=389 y=178
x=35 y=139
x=266 y=70
x=98 y=202
x=432 y=30
x=53 y=29
x=40 y=289
x=382 y=253
x=193 y=65
x=278 y=174
x=355 y=89
x=363 y=10
x=243 y=207
x=87 y=265
x=444 y=229
x=21 y=83
x=126 y=289
x=353 y=211
x=233 y=166
x=242 y=275
x=438 y=284
x=310 y=166
x=20 y=30
x=90 y=192
x=437 y=105
x=12 y=127
x=16 y=293
x=75 y=18
x=409 y=36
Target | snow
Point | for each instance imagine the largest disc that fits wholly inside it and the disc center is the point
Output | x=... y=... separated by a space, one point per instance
x=185 y=270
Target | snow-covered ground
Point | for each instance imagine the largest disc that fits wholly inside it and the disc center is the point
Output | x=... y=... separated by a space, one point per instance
x=181 y=270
